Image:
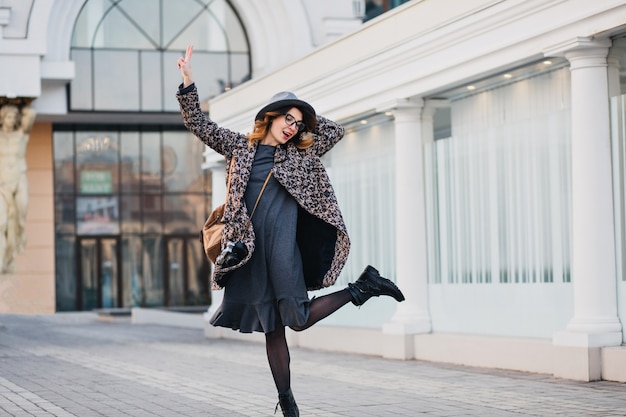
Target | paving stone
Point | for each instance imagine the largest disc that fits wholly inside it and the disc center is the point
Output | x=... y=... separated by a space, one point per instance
x=74 y=365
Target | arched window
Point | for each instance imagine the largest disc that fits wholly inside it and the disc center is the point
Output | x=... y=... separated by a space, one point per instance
x=125 y=52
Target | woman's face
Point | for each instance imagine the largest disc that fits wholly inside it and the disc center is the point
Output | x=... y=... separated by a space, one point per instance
x=9 y=121
x=280 y=131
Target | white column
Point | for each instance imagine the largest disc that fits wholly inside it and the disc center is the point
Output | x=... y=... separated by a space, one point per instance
x=614 y=60
x=216 y=163
x=412 y=316
x=595 y=322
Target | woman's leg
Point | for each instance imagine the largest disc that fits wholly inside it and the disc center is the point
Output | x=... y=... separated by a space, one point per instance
x=324 y=306
x=278 y=358
x=370 y=284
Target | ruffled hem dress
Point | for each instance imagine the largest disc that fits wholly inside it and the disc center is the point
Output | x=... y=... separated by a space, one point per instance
x=269 y=290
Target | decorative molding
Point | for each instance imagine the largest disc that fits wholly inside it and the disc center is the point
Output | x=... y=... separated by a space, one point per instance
x=576 y=44
x=5 y=16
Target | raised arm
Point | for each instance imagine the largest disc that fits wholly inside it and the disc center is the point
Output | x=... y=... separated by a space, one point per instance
x=219 y=139
x=184 y=64
x=327 y=134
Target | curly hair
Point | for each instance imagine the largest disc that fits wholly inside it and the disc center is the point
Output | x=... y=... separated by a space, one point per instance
x=302 y=140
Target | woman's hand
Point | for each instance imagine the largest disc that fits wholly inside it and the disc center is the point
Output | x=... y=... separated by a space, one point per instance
x=184 y=64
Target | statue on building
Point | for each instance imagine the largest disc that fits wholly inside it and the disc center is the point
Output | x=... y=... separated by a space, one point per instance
x=14 y=135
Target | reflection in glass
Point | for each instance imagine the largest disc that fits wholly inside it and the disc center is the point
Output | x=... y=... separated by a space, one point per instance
x=130 y=214
x=64 y=210
x=132 y=277
x=151 y=162
x=175 y=273
x=65 y=282
x=97 y=153
x=198 y=274
x=129 y=186
x=182 y=168
x=130 y=167
x=152 y=273
x=97 y=216
x=63 y=144
x=109 y=273
x=151 y=213
x=183 y=213
x=89 y=273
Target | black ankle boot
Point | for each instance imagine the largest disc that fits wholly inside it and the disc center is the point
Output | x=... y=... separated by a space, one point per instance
x=287 y=405
x=371 y=284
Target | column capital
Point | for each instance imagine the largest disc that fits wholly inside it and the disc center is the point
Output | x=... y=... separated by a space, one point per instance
x=401 y=104
x=5 y=15
x=432 y=104
x=579 y=45
x=617 y=51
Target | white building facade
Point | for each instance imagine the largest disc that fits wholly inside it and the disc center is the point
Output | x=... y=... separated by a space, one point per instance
x=482 y=168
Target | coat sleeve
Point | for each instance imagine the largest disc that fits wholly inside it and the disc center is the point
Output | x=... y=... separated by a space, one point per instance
x=220 y=139
x=326 y=135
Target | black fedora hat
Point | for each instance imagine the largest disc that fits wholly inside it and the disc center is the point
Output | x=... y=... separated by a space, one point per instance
x=285 y=99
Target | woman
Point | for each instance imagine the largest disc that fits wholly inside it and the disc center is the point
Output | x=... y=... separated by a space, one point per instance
x=296 y=240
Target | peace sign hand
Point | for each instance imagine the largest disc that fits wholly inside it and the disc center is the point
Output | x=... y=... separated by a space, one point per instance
x=184 y=64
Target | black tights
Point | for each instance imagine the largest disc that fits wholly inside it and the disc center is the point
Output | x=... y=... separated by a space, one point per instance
x=276 y=343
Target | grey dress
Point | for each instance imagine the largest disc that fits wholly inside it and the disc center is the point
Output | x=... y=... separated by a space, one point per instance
x=269 y=290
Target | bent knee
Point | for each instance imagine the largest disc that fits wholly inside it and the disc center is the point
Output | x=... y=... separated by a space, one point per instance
x=297 y=328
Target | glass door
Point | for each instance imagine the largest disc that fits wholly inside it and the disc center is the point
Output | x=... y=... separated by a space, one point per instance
x=99 y=278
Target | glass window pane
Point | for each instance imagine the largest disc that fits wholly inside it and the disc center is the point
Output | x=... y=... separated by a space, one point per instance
x=171 y=78
x=152 y=81
x=137 y=14
x=109 y=271
x=65 y=283
x=97 y=216
x=89 y=273
x=132 y=278
x=97 y=161
x=118 y=29
x=183 y=213
x=63 y=144
x=81 y=91
x=179 y=14
x=151 y=162
x=152 y=272
x=117 y=80
x=64 y=217
x=130 y=155
x=240 y=68
x=175 y=273
x=198 y=275
x=130 y=212
x=151 y=213
x=182 y=163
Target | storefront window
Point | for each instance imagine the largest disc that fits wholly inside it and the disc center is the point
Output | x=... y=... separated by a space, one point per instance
x=125 y=199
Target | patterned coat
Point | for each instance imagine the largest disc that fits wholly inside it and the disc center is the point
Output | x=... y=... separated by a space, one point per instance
x=322 y=236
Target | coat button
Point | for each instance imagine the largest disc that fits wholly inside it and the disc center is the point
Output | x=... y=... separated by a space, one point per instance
x=326 y=193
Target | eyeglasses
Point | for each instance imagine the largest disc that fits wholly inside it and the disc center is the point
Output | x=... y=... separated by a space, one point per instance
x=290 y=120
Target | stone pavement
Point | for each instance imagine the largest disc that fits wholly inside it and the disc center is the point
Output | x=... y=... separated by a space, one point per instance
x=72 y=364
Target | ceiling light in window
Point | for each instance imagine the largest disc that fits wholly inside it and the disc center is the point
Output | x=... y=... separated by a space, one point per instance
x=508 y=76
x=388 y=113
x=471 y=87
x=547 y=62
x=363 y=122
